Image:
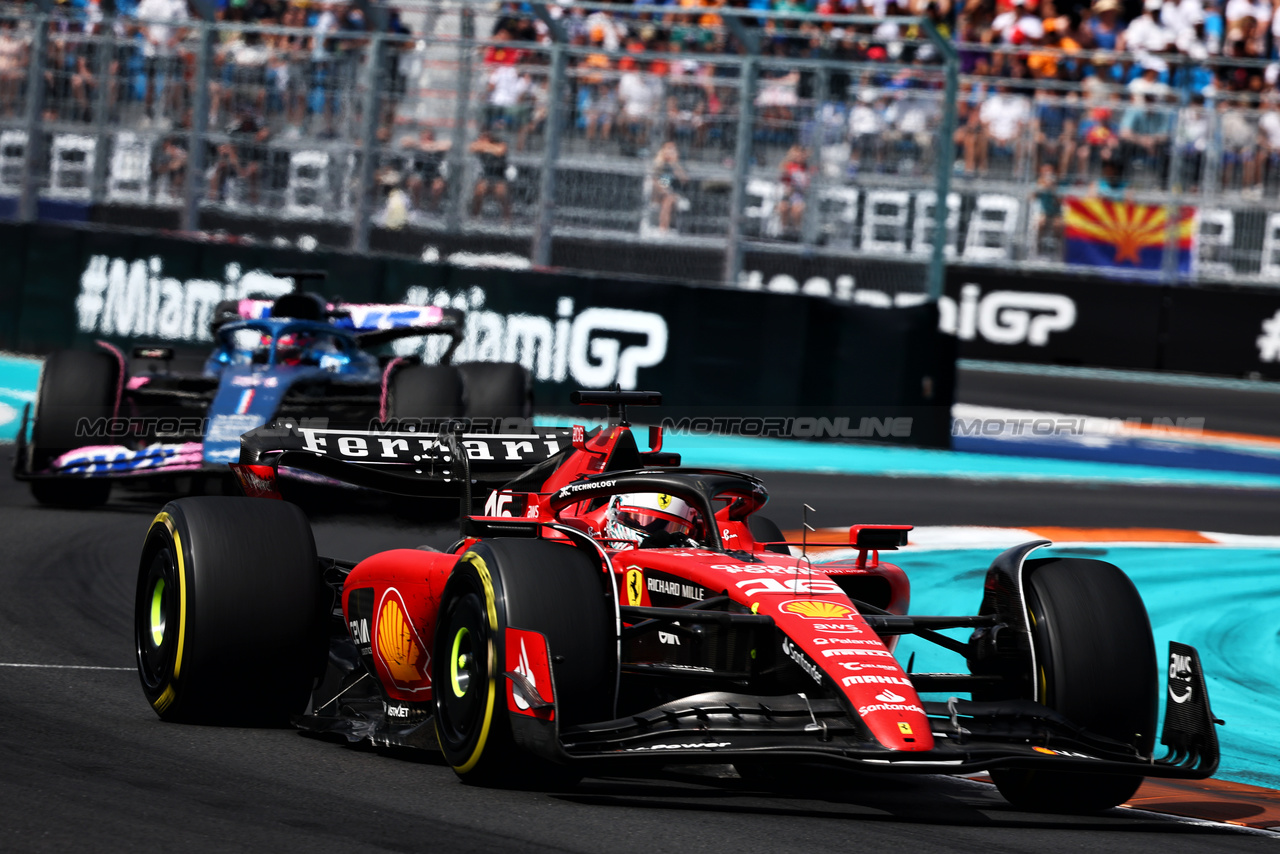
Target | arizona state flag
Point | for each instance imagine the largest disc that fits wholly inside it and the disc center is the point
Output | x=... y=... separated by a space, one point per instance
x=1109 y=233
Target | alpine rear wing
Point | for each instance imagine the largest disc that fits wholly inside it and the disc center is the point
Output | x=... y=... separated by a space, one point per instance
x=412 y=464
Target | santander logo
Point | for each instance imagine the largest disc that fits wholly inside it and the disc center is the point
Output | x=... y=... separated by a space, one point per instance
x=887 y=696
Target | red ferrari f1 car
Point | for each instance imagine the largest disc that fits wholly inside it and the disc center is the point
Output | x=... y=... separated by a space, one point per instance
x=612 y=612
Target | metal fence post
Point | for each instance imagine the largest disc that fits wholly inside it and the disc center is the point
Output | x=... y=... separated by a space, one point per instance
x=544 y=221
x=741 y=165
x=458 y=145
x=946 y=163
x=1173 y=208
x=33 y=152
x=1211 y=175
x=368 y=145
x=810 y=219
x=194 y=189
x=102 y=70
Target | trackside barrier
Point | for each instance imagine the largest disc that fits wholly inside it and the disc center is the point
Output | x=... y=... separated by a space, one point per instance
x=715 y=353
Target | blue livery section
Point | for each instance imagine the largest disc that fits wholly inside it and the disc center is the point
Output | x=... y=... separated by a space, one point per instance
x=247 y=397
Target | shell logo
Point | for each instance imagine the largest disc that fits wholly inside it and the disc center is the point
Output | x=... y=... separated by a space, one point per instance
x=816 y=609
x=399 y=647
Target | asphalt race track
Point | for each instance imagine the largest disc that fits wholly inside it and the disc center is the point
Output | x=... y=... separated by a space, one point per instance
x=88 y=766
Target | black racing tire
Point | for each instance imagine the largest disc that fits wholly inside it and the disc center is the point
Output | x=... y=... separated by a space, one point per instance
x=430 y=392
x=74 y=385
x=1097 y=666
x=552 y=588
x=765 y=530
x=425 y=391
x=496 y=390
x=229 y=612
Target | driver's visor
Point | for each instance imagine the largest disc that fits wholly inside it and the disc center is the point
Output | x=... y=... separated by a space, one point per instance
x=652 y=522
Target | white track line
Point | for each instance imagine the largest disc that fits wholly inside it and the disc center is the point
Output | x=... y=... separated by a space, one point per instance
x=64 y=666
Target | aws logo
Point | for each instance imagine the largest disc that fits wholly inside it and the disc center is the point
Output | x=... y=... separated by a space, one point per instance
x=398 y=646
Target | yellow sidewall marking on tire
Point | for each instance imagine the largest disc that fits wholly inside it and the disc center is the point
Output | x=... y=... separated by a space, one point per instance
x=167 y=520
x=491 y=606
x=162 y=702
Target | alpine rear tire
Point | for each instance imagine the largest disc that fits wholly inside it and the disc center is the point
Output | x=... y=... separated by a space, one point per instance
x=228 y=613
x=551 y=588
x=75 y=385
x=496 y=390
x=1096 y=665
x=425 y=391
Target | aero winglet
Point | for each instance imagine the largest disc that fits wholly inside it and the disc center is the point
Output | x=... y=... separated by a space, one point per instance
x=1188 y=720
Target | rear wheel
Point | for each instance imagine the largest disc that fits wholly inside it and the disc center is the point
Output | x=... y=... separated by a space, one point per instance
x=75 y=385
x=1096 y=665
x=496 y=390
x=228 y=614
x=550 y=588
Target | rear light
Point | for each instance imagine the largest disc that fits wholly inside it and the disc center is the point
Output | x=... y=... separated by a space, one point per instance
x=256 y=481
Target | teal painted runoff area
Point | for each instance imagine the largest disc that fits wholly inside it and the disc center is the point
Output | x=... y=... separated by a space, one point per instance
x=19 y=376
x=1224 y=601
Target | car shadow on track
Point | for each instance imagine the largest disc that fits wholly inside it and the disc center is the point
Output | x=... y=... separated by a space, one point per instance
x=925 y=800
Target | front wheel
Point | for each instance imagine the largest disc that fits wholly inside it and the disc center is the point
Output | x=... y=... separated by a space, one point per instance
x=228 y=614
x=1096 y=665
x=550 y=588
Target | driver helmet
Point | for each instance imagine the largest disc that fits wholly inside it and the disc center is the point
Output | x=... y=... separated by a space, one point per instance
x=636 y=515
x=292 y=347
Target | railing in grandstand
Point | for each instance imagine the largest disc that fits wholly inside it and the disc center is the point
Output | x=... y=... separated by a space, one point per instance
x=732 y=144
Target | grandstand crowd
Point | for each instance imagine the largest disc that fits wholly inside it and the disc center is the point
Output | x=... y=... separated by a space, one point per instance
x=1115 y=94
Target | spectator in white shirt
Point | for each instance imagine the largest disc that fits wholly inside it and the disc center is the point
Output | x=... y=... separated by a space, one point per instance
x=1004 y=118
x=638 y=98
x=1268 y=140
x=1192 y=39
x=506 y=87
x=1237 y=10
x=1018 y=26
x=866 y=128
x=1248 y=22
x=1148 y=83
x=1145 y=34
x=163 y=19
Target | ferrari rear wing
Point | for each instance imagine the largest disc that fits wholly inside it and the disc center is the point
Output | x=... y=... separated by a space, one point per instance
x=411 y=464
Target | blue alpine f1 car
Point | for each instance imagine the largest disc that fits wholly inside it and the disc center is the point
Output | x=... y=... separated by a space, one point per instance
x=101 y=415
